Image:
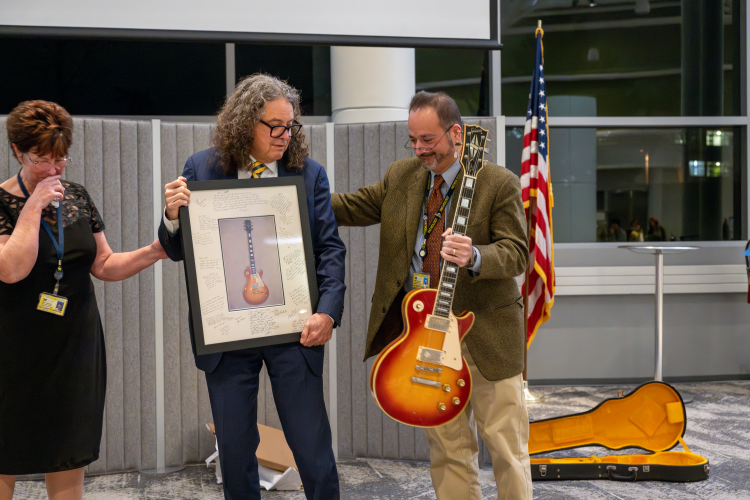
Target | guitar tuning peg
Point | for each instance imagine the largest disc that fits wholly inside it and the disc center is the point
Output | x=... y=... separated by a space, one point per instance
x=488 y=140
x=486 y=150
x=485 y=162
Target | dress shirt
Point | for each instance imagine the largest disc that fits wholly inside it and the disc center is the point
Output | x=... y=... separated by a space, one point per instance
x=416 y=261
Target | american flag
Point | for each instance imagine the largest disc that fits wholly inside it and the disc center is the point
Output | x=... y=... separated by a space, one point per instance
x=537 y=201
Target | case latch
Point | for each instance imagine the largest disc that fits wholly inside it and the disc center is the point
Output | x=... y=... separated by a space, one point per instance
x=543 y=470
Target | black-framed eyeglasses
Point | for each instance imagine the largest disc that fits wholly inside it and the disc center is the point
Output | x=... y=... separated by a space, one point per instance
x=46 y=164
x=411 y=143
x=279 y=130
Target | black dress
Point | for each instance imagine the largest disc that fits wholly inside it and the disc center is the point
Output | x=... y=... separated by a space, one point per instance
x=52 y=368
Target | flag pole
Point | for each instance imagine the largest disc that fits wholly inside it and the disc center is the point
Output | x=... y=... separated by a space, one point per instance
x=528 y=395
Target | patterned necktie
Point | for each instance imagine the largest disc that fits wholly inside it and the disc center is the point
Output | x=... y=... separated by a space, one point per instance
x=431 y=264
x=256 y=168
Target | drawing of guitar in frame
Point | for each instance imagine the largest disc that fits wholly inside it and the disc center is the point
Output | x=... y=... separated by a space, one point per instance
x=255 y=291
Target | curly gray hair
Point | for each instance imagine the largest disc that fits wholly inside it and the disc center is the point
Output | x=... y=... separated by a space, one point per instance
x=243 y=110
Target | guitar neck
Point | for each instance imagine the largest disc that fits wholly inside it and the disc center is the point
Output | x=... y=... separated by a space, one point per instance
x=472 y=160
x=449 y=272
x=252 y=253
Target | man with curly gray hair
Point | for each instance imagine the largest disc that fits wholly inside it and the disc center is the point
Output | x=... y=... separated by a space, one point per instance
x=258 y=135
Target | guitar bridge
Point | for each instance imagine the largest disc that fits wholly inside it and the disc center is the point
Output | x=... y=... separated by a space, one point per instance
x=428 y=369
x=427 y=355
x=424 y=381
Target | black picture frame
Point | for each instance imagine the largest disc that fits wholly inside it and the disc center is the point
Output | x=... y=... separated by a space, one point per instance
x=194 y=298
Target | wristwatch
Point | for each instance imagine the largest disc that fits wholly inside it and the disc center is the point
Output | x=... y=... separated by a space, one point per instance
x=473 y=258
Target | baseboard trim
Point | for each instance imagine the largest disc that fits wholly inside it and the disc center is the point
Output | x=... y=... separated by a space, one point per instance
x=635 y=380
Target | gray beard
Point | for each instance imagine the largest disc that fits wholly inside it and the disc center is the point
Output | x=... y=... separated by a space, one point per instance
x=431 y=162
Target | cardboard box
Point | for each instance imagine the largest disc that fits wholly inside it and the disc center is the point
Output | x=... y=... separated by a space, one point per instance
x=273 y=450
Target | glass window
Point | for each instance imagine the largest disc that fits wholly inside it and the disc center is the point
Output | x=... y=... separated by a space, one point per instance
x=119 y=78
x=642 y=58
x=306 y=68
x=460 y=73
x=642 y=184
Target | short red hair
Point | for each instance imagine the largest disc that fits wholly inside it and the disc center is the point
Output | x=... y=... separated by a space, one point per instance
x=42 y=126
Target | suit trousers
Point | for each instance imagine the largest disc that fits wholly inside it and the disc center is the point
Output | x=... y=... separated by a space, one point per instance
x=499 y=410
x=298 y=394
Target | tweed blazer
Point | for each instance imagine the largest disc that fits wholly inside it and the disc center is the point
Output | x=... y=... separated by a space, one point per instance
x=497 y=227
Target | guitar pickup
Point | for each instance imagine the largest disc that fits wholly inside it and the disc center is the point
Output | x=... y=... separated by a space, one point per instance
x=438 y=323
x=427 y=355
x=424 y=381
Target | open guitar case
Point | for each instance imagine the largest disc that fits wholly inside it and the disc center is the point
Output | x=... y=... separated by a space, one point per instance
x=652 y=417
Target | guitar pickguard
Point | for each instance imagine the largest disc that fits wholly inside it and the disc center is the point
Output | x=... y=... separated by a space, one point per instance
x=452 y=346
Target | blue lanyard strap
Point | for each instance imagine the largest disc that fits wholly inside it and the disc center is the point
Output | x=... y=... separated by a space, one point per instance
x=59 y=246
x=427 y=231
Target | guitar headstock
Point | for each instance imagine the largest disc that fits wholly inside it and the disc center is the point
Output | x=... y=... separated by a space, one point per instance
x=473 y=149
x=248 y=226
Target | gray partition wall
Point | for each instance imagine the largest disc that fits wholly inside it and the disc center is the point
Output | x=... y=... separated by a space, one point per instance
x=186 y=405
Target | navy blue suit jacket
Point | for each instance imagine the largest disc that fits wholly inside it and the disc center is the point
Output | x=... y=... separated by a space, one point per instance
x=328 y=248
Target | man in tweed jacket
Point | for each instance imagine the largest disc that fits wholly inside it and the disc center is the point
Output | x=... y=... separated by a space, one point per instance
x=493 y=251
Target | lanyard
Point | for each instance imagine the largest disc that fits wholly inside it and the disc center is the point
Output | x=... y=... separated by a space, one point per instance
x=59 y=245
x=427 y=231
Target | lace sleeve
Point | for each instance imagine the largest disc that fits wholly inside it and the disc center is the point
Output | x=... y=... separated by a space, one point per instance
x=95 y=218
x=6 y=225
x=7 y=219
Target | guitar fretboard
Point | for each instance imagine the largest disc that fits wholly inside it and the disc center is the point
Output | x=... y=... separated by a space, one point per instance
x=449 y=273
x=249 y=229
x=472 y=161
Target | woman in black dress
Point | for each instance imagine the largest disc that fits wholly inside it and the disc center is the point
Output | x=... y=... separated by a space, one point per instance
x=52 y=357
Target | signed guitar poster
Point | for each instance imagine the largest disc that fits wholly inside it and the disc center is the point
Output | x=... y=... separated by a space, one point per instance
x=250 y=268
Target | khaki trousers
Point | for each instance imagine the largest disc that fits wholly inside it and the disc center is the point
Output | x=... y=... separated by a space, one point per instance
x=499 y=410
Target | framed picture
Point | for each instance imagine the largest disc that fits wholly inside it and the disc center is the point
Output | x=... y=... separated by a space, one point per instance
x=250 y=267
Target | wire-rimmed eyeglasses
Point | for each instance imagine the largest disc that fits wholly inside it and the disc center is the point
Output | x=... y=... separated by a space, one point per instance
x=411 y=143
x=279 y=130
x=46 y=164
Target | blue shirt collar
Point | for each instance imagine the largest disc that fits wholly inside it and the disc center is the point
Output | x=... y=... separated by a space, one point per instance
x=449 y=175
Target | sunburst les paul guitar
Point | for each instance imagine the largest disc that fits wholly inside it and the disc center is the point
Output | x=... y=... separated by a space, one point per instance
x=255 y=291
x=421 y=378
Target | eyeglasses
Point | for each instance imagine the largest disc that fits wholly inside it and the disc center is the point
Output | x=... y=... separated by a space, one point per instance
x=279 y=130
x=411 y=143
x=46 y=164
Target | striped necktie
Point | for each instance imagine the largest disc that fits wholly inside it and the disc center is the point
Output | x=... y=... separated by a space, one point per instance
x=431 y=263
x=256 y=168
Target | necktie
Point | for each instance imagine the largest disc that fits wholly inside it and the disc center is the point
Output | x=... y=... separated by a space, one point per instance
x=256 y=168
x=431 y=264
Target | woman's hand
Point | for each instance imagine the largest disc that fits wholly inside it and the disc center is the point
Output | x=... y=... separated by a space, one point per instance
x=176 y=195
x=48 y=189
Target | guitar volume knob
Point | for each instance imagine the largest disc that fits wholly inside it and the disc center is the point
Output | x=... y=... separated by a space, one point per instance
x=456 y=401
x=460 y=382
x=441 y=406
x=447 y=388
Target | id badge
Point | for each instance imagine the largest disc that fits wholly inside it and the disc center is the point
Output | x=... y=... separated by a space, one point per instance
x=53 y=304
x=421 y=280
